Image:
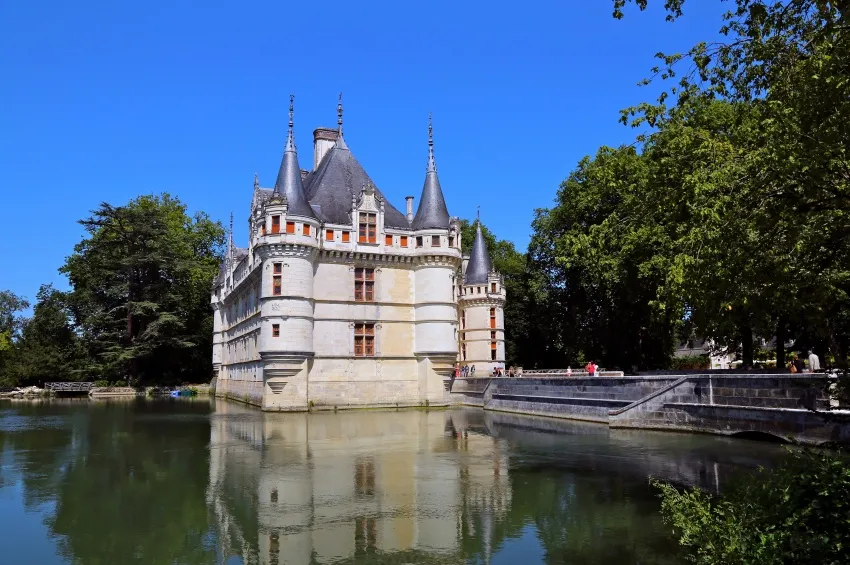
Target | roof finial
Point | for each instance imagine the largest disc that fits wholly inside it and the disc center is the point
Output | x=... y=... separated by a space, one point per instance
x=230 y=240
x=479 y=214
x=339 y=114
x=256 y=181
x=431 y=130
x=291 y=111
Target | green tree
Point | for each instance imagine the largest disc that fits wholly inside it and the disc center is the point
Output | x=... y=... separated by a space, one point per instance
x=11 y=322
x=601 y=261
x=49 y=348
x=141 y=283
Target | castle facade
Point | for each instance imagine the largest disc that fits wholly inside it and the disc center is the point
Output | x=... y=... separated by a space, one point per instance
x=341 y=300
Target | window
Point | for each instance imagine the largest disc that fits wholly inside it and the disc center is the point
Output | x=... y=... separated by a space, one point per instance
x=419 y=241
x=306 y=229
x=404 y=241
x=492 y=287
x=493 y=318
x=368 y=228
x=451 y=241
x=263 y=228
x=364 y=340
x=463 y=352
x=388 y=240
x=463 y=320
x=493 y=351
x=277 y=285
x=275 y=224
x=275 y=330
x=364 y=284
x=329 y=235
x=492 y=335
x=435 y=241
x=290 y=227
x=346 y=237
x=278 y=268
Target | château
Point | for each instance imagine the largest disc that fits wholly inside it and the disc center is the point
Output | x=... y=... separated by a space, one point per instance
x=341 y=300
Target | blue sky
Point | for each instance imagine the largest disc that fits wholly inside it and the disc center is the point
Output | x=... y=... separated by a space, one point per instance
x=108 y=100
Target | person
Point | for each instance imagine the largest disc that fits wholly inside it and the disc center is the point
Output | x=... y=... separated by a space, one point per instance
x=814 y=362
x=569 y=371
x=798 y=365
x=595 y=369
x=457 y=371
x=590 y=368
x=472 y=370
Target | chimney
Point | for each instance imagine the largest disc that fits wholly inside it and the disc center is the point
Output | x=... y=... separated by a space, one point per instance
x=323 y=140
x=409 y=200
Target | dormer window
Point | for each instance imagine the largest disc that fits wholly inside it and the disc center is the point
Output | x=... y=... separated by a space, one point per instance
x=368 y=228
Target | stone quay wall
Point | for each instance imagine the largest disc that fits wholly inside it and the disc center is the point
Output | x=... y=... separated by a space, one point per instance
x=786 y=406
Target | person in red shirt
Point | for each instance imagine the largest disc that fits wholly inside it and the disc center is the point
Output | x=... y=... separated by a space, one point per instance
x=590 y=368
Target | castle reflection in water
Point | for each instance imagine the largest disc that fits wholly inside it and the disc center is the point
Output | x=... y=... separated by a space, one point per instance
x=455 y=486
x=329 y=487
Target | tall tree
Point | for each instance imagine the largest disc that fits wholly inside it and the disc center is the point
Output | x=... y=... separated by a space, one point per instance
x=49 y=348
x=141 y=283
x=11 y=322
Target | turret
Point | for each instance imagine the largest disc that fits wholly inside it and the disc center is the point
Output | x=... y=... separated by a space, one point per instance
x=482 y=319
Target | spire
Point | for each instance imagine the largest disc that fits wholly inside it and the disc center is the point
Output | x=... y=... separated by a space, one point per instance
x=432 y=212
x=256 y=181
x=478 y=268
x=288 y=183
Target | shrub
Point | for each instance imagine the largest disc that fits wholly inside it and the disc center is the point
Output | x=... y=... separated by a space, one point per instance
x=691 y=362
x=101 y=383
x=797 y=513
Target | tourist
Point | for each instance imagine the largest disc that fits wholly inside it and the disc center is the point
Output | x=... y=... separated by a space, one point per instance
x=798 y=365
x=814 y=362
x=595 y=369
x=472 y=370
x=569 y=371
x=590 y=368
x=457 y=371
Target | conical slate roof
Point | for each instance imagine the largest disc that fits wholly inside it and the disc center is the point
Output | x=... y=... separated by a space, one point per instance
x=289 y=183
x=432 y=212
x=337 y=180
x=478 y=268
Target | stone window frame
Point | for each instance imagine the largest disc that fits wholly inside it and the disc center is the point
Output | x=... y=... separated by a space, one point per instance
x=275 y=330
x=365 y=336
x=364 y=284
x=367 y=226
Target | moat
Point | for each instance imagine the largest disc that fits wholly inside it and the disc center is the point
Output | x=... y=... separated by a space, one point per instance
x=209 y=481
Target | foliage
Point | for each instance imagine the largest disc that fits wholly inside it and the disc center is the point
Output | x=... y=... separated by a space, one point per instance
x=48 y=348
x=691 y=362
x=10 y=319
x=141 y=284
x=599 y=263
x=798 y=513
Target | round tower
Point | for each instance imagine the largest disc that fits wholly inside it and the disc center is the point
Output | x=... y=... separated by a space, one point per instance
x=287 y=251
x=482 y=315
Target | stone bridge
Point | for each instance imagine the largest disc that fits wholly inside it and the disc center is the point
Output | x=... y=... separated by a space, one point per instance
x=790 y=407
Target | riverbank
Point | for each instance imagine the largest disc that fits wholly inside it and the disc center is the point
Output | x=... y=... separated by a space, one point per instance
x=103 y=392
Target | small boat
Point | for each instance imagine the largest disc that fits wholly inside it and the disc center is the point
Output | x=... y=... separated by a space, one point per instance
x=175 y=393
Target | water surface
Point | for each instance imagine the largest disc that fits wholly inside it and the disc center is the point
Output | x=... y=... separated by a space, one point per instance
x=197 y=481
